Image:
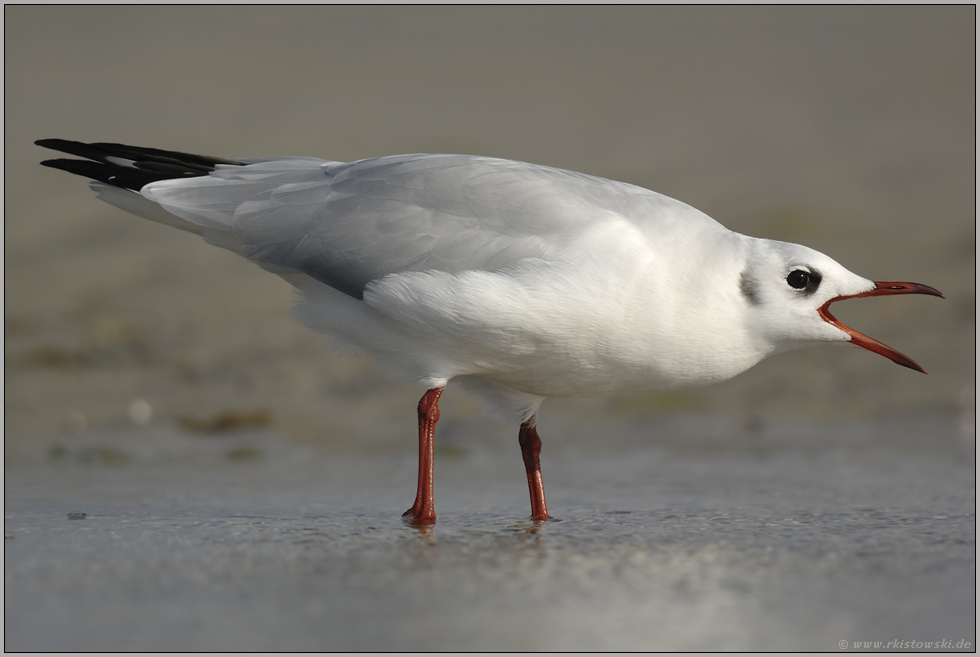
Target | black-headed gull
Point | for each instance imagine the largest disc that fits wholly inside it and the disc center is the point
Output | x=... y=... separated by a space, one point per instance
x=517 y=281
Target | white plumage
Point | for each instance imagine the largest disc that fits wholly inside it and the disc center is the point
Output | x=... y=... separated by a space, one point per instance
x=519 y=282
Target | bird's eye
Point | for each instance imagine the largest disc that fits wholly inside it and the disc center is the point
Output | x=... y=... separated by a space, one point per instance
x=798 y=279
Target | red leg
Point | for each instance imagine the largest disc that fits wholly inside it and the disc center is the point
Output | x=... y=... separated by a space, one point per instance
x=423 y=512
x=531 y=451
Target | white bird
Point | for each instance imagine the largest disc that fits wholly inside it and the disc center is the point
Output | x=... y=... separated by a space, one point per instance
x=518 y=282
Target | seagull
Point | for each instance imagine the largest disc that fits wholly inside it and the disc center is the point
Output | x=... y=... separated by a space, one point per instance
x=516 y=281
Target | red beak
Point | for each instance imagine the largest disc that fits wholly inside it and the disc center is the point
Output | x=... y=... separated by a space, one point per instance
x=860 y=339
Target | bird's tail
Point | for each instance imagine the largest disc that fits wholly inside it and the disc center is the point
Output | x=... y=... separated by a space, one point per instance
x=119 y=172
x=129 y=167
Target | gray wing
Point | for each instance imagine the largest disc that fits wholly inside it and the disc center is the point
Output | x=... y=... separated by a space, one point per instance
x=346 y=224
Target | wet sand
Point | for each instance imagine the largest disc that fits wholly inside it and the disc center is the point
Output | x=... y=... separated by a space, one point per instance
x=242 y=485
x=771 y=544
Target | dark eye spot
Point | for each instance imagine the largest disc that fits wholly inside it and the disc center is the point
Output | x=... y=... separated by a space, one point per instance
x=749 y=289
x=798 y=279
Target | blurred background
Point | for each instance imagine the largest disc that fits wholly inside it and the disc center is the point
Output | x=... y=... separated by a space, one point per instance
x=848 y=129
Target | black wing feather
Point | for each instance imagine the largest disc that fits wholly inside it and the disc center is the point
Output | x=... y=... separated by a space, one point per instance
x=148 y=164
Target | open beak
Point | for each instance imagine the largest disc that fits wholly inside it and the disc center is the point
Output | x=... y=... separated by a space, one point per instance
x=860 y=339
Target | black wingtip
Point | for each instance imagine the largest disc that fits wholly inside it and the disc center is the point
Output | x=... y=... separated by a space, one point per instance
x=88 y=151
x=49 y=143
x=52 y=143
x=130 y=167
x=125 y=177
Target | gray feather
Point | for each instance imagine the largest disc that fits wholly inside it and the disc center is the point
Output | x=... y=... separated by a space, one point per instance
x=347 y=224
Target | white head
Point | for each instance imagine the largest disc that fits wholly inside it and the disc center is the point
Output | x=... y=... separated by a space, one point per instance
x=788 y=289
